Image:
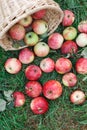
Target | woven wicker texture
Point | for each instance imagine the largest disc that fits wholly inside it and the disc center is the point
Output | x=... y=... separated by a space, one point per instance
x=11 y=11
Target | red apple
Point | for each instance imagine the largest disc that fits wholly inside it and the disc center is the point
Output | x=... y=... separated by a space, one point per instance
x=39 y=14
x=55 y=41
x=69 y=33
x=68 y=18
x=26 y=21
x=63 y=65
x=26 y=56
x=33 y=72
x=17 y=32
x=41 y=49
x=69 y=47
x=19 y=99
x=82 y=27
x=81 y=65
x=40 y=26
x=13 y=65
x=33 y=89
x=81 y=40
x=52 y=89
x=77 y=97
x=47 y=65
x=39 y=105
x=69 y=79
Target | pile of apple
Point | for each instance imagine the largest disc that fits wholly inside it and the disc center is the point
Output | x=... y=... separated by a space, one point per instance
x=68 y=43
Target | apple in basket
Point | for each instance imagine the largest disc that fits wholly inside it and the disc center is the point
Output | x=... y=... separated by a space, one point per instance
x=69 y=47
x=55 y=41
x=52 y=89
x=77 y=97
x=69 y=79
x=33 y=89
x=13 y=65
x=17 y=32
x=41 y=49
x=26 y=21
x=26 y=56
x=81 y=66
x=63 y=65
x=39 y=105
x=39 y=14
x=33 y=72
x=69 y=33
x=47 y=65
x=40 y=26
x=19 y=99
x=68 y=18
x=31 y=38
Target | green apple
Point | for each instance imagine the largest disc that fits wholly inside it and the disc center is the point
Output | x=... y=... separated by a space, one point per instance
x=69 y=33
x=31 y=38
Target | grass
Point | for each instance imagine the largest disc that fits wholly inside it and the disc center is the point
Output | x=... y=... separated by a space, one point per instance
x=62 y=115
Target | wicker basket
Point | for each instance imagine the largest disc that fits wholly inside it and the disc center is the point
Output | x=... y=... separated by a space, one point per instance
x=11 y=11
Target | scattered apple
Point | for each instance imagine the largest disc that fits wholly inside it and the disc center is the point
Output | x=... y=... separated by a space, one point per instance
x=26 y=21
x=40 y=26
x=82 y=27
x=39 y=105
x=55 y=41
x=68 y=18
x=81 y=65
x=13 y=65
x=39 y=14
x=17 y=32
x=19 y=99
x=33 y=89
x=69 y=47
x=47 y=65
x=69 y=33
x=81 y=40
x=41 y=49
x=52 y=89
x=31 y=38
x=63 y=65
x=26 y=56
x=77 y=97
x=33 y=72
x=69 y=79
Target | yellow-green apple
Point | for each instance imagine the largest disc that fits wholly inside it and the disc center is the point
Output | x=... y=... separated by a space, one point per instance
x=81 y=40
x=82 y=27
x=40 y=26
x=47 y=65
x=13 y=65
x=55 y=41
x=31 y=38
x=33 y=72
x=17 y=32
x=69 y=47
x=81 y=65
x=39 y=14
x=26 y=56
x=52 y=89
x=63 y=65
x=26 y=21
x=69 y=79
x=69 y=33
x=41 y=49
x=39 y=105
x=68 y=18
x=33 y=88
x=19 y=98
x=77 y=97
